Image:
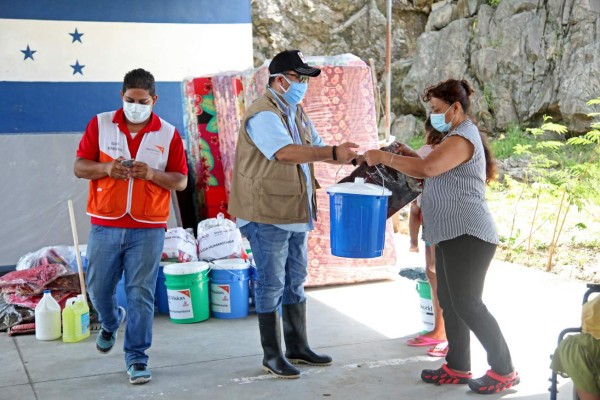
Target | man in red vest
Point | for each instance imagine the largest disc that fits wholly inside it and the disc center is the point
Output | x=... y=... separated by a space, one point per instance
x=133 y=160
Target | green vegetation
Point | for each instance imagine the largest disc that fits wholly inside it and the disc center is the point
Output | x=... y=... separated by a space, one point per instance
x=561 y=179
x=503 y=146
x=417 y=141
x=487 y=97
x=494 y=3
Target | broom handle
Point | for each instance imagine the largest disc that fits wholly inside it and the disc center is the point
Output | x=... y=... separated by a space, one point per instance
x=77 y=254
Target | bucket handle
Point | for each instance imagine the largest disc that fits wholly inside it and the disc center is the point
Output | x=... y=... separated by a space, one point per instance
x=226 y=270
x=335 y=180
x=234 y=274
x=382 y=180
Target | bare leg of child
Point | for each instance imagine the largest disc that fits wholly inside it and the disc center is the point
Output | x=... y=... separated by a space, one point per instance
x=396 y=222
x=414 y=223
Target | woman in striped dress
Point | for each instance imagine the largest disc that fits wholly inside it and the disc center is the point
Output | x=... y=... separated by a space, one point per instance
x=457 y=220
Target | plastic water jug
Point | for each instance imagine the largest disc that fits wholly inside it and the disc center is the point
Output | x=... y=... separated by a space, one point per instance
x=47 y=318
x=76 y=320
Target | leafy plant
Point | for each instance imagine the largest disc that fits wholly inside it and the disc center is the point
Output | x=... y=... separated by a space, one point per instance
x=569 y=179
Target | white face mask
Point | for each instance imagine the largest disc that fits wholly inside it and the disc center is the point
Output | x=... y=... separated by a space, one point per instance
x=136 y=113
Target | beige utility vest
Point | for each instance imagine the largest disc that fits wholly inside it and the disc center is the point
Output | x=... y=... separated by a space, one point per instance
x=269 y=191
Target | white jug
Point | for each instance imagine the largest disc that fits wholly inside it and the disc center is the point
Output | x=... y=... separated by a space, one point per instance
x=47 y=318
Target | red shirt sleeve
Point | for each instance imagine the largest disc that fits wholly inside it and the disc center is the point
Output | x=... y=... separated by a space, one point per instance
x=88 y=146
x=177 y=161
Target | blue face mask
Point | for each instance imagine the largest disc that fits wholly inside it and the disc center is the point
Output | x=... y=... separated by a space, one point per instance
x=295 y=92
x=438 y=121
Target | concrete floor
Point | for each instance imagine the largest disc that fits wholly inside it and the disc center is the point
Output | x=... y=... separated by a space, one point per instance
x=364 y=328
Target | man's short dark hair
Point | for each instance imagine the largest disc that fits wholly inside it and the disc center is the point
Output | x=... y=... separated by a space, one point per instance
x=139 y=79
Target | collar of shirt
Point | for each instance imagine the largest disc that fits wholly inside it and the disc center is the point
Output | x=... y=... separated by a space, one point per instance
x=153 y=125
x=289 y=109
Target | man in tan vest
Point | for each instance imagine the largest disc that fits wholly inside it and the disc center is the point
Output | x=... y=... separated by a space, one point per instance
x=273 y=198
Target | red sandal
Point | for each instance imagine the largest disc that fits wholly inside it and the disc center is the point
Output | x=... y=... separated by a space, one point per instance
x=440 y=350
x=491 y=382
x=445 y=376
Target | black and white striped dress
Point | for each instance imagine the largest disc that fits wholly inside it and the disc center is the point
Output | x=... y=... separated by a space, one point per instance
x=453 y=203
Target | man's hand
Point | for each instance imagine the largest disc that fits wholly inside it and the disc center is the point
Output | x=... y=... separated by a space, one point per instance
x=140 y=170
x=344 y=152
x=358 y=160
x=116 y=170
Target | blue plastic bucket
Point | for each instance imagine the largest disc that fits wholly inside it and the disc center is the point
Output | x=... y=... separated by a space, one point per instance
x=358 y=215
x=229 y=288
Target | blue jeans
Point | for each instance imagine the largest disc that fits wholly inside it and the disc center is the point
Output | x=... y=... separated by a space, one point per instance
x=136 y=252
x=281 y=265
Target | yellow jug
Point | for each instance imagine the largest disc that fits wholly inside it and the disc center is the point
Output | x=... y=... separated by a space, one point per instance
x=76 y=320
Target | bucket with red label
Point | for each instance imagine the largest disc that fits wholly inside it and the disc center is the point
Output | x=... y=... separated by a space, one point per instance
x=229 y=288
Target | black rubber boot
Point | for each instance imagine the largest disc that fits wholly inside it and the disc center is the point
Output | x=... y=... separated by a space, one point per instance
x=296 y=343
x=270 y=337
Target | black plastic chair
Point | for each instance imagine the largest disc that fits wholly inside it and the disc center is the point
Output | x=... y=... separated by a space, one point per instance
x=592 y=288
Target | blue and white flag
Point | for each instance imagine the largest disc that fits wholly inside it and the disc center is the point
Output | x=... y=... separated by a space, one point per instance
x=63 y=61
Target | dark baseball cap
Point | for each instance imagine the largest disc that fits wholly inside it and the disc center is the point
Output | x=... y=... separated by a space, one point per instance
x=292 y=60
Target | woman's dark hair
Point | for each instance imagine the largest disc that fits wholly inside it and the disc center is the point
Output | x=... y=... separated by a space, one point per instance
x=139 y=79
x=490 y=163
x=433 y=137
x=451 y=91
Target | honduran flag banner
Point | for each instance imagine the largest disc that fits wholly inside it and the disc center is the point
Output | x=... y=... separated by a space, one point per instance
x=63 y=61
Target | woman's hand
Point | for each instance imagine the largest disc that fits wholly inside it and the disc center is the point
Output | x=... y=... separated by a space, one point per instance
x=405 y=150
x=374 y=157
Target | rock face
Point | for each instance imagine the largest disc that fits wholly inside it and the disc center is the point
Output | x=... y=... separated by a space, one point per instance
x=525 y=58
